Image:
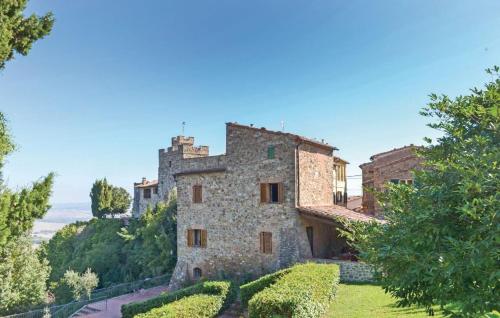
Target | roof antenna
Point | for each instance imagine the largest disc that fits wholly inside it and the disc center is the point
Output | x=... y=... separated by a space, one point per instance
x=282 y=125
x=183 y=126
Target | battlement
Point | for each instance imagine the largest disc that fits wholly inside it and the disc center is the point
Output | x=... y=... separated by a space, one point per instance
x=185 y=146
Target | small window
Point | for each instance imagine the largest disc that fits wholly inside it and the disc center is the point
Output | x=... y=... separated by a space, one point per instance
x=197 y=273
x=147 y=193
x=395 y=181
x=271 y=193
x=155 y=190
x=266 y=242
x=197 y=194
x=271 y=153
x=170 y=163
x=197 y=238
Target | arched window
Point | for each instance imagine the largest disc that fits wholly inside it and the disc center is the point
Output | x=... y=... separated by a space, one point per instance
x=197 y=273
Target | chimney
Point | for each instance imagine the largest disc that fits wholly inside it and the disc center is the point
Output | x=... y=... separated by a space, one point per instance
x=143 y=180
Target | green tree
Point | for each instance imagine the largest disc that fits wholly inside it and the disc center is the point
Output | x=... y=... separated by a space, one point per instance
x=18 y=33
x=441 y=243
x=80 y=284
x=22 y=276
x=120 y=201
x=101 y=196
x=108 y=199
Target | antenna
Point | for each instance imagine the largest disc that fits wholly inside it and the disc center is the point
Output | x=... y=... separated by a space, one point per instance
x=183 y=126
x=282 y=125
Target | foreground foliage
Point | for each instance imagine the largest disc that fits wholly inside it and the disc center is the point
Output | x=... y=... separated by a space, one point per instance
x=183 y=303
x=145 y=248
x=22 y=276
x=305 y=291
x=360 y=301
x=440 y=245
x=17 y=33
x=248 y=290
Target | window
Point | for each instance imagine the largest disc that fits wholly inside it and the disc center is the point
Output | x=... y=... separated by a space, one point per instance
x=170 y=163
x=271 y=193
x=271 y=152
x=197 y=238
x=339 y=197
x=395 y=181
x=197 y=273
x=266 y=242
x=406 y=181
x=155 y=190
x=146 y=194
x=197 y=194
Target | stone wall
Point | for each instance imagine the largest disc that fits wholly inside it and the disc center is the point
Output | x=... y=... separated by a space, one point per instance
x=315 y=175
x=351 y=271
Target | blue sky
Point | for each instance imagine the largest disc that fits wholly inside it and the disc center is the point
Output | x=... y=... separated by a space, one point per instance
x=115 y=79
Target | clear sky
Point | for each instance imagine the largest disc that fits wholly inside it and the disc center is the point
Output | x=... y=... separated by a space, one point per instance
x=115 y=79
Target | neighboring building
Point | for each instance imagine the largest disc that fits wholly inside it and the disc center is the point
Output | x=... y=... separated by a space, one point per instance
x=340 y=181
x=264 y=205
x=391 y=166
x=355 y=203
x=145 y=194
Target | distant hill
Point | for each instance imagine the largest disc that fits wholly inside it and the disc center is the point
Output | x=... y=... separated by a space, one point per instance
x=57 y=217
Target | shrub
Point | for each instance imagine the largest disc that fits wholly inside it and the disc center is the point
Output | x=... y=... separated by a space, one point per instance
x=305 y=291
x=248 y=290
x=188 y=307
x=224 y=289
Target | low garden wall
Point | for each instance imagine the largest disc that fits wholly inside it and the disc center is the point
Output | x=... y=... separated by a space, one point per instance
x=351 y=271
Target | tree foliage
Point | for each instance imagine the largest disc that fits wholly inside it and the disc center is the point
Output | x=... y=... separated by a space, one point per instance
x=22 y=276
x=108 y=200
x=441 y=243
x=17 y=32
x=80 y=284
x=145 y=248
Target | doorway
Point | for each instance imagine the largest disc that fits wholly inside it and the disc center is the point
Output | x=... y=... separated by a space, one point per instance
x=310 y=238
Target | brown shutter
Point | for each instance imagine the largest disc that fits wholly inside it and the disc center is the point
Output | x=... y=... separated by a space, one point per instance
x=263 y=193
x=268 y=243
x=261 y=239
x=190 y=238
x=203 y=238
x=197 y=194
x=281 y=193
x=200 y=194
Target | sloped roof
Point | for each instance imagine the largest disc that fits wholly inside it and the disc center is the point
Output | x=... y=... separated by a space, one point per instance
x=147 y=184
x=333 y=212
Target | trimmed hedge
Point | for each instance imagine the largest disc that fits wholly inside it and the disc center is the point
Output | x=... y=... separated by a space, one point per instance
x=206 y=306
x=248 y=290
x=225 y=289
x=305 y=291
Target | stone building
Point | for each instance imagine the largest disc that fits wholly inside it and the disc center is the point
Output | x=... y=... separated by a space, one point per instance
x=267 y=203
x=391 y=166
x=170 y=162
x=340 y=181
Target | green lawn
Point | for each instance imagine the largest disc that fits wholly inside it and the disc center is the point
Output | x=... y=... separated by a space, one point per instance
x=359 y=301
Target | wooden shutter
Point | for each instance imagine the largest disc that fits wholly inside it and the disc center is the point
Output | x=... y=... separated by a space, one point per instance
x=190 y=238
x=203 y=238
x=266 y=244
x=281 y=193
x=261 y=241
x=197 y=194
x=263 y=193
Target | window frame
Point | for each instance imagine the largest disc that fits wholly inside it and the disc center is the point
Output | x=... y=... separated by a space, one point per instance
x=266 y=193
x=144 y=191
x=197 y=238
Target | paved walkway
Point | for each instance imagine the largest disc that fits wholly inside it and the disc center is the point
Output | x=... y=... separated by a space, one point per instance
x=114 y=305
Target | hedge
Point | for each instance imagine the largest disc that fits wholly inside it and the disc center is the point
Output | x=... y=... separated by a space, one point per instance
x=206 y=306
x=248 y=290
x=225 y=289
x=305 y=291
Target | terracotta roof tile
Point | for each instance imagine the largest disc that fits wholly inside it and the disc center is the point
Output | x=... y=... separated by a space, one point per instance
x=335 y=211
x=147 y=184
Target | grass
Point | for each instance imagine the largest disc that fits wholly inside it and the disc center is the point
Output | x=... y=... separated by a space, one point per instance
x=359 y=301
